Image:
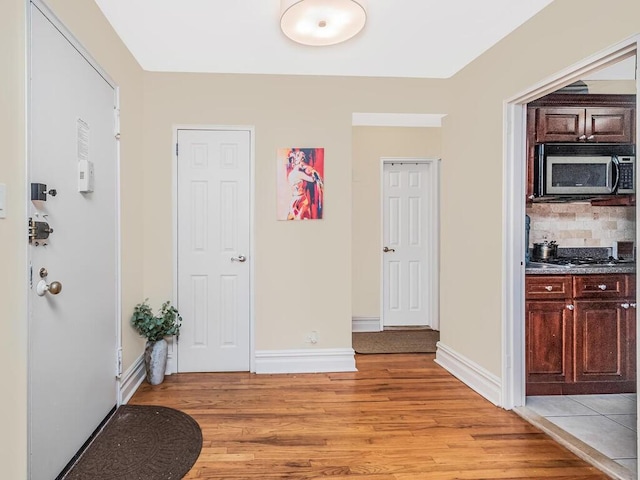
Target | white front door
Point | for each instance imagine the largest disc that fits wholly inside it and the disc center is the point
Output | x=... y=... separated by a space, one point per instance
x=73 y=332
x=214 y=265
x=409 y=256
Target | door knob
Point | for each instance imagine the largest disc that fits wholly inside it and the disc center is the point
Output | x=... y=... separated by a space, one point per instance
x=387 y=249
x=53 y=288
x=239 y=258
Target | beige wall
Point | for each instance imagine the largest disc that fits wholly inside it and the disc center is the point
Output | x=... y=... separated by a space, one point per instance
x=617 y=87
x=472 y=166
x=369 y=145
x=302 y=269
x=13 y=320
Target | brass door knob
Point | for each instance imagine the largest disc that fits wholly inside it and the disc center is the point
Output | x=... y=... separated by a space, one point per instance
x=53 y=288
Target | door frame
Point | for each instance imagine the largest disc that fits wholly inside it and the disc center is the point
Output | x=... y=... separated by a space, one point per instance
x=514 y=208
x=68 y=35
x=172 y=364
x=433 y=249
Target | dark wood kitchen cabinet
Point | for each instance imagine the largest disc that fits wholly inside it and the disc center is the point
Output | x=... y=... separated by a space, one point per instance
x=594 y=124
x=548 y=333
x=603 y=353
x=580 y=334
x=549 y=327
x=566 y=118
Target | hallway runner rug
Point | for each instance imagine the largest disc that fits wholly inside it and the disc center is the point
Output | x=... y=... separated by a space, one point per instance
x=141 y=442
x=396 y=341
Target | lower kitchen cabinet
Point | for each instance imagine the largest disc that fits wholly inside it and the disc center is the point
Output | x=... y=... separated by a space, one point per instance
x=549 y=327
x=580 y=334
x=603 y=347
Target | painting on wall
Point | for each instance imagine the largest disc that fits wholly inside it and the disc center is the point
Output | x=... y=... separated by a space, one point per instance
x=300 y=183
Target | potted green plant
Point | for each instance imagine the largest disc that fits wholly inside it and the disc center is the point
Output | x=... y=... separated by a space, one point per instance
x=155 y=327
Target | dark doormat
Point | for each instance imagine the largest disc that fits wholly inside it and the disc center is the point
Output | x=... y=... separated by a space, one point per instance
x=396 y=341
x=141 y=442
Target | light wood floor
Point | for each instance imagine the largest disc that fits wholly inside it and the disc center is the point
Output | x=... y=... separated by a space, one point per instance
x=400 y=417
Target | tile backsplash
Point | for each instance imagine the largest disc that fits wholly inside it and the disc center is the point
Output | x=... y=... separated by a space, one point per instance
x=580 y=224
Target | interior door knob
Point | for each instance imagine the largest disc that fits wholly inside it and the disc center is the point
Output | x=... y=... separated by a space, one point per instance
x=53 y=288
x=387 y=249
x=239 y=258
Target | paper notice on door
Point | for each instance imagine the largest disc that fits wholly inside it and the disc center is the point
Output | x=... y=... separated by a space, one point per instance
x=83 y=139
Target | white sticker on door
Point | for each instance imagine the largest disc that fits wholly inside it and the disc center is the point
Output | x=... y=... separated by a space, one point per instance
x=83 y=139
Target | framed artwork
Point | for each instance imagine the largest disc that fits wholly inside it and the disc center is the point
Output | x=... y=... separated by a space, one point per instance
x=300 y=186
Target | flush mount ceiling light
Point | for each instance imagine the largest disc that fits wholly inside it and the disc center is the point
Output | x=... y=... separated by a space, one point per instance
x=322 y=22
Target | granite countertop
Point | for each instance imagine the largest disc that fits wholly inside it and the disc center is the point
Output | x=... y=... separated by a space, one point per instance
x=602 y=253
x=544 y=269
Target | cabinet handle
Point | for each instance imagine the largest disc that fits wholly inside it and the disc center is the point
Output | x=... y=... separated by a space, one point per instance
x=548 y=288
x=602 y=287
x=570 y=307
x=591 y=137
x=625 y=305
x=582 y=137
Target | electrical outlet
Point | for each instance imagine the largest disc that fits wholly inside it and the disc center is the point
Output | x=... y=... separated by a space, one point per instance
x=312 y=337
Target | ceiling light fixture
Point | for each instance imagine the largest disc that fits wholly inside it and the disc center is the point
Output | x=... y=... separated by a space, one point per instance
x=322 y=22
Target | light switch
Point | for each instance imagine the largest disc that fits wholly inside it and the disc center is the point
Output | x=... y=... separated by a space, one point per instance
x=3 y=200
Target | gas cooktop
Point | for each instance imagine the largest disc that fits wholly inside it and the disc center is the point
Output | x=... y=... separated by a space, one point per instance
x=572 y=262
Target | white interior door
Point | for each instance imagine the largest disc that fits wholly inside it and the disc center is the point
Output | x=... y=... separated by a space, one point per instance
x=409 y=256
x=214 y=168
x=72 y=334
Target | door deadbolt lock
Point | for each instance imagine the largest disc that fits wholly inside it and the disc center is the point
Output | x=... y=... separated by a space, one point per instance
x=39 y=192
x=38 y=230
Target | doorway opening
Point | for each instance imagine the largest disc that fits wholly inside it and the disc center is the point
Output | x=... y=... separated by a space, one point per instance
x=514 y=372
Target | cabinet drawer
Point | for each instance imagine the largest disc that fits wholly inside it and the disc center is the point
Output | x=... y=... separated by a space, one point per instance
x=599 y=286
x=547 y=287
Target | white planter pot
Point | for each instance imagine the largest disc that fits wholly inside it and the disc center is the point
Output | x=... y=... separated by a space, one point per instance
x=155 y=361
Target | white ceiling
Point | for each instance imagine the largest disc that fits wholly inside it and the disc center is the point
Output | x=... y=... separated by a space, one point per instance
x=402 y=38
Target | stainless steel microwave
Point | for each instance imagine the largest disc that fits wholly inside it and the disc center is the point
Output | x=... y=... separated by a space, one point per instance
x=583 y=170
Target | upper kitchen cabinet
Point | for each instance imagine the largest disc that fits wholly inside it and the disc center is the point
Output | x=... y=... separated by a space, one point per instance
x=584 y=118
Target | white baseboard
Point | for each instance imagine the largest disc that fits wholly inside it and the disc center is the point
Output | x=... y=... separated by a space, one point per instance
x=470 y=373
x=306 y=361
x=131 y=380
x=365 y=324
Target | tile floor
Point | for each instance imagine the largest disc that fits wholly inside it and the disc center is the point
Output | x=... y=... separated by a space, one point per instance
x=608 y=423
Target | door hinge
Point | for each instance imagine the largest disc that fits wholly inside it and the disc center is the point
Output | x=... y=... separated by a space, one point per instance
x=176 y=149
x=119 y=362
